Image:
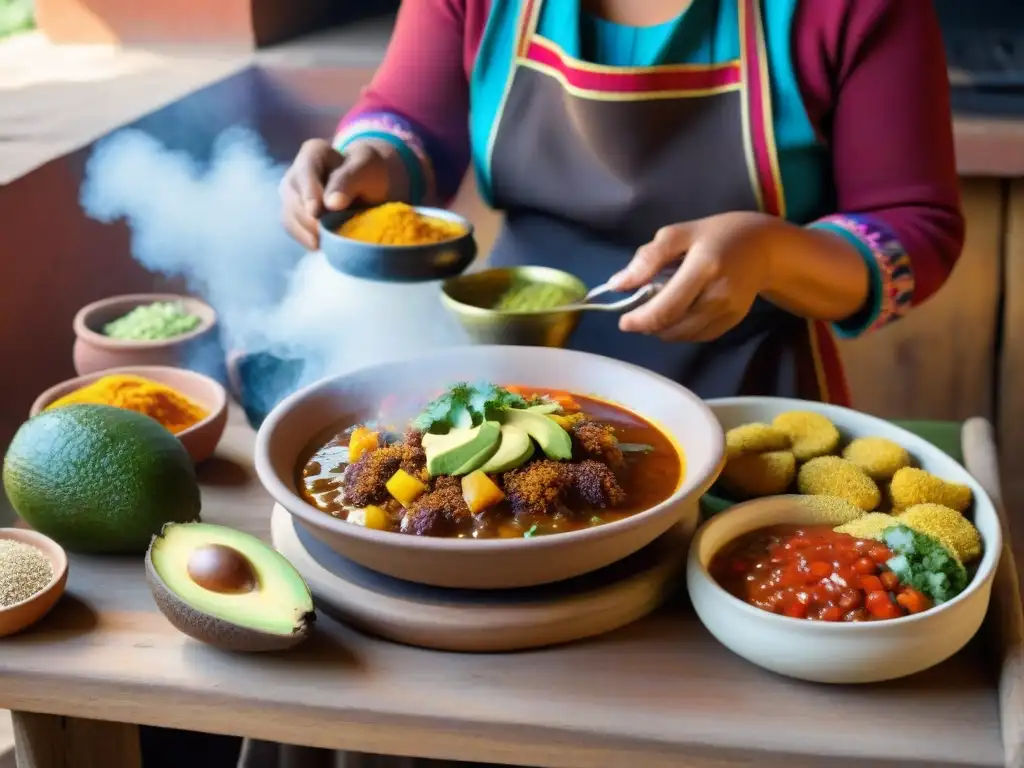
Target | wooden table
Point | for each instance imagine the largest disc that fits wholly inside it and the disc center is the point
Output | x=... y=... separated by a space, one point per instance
x=660 y=693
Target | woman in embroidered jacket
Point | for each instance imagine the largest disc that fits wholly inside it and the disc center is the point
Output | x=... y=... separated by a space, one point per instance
x=791 y=161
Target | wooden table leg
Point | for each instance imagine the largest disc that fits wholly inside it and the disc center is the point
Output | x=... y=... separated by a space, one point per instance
x=52 y=741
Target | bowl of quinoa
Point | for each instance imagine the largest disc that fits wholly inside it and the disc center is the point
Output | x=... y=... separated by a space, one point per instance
x=33 y=574
x=147 y=329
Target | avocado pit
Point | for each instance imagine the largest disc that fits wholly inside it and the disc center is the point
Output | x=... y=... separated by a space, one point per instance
x=222 y=569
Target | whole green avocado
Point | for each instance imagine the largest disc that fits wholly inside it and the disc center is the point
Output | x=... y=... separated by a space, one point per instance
x=99 y=479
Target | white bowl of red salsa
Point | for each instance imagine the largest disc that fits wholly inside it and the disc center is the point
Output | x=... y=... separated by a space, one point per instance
x=780 y=588
x=814 y=572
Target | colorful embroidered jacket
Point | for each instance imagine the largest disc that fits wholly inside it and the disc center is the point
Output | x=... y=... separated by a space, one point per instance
x=873 y=81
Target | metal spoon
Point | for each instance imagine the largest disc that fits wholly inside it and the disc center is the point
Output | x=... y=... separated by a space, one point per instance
x=587 y=304
x=642 y=295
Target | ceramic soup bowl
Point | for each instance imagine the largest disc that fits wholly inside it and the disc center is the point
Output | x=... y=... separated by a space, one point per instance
x=490 y=563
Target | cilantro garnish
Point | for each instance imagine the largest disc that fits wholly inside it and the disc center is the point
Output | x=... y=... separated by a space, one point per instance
x=466 y=405
x=530 y=533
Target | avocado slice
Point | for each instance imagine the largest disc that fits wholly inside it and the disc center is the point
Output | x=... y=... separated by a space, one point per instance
x=545 y=408
x=460 y=451
x=552 y=439
x=227 y=588
x=515 y=449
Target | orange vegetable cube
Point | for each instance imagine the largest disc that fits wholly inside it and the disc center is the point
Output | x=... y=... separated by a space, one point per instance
x=371 y=516
x=480 y=492
x=913 y=601
x=404 y=488
x=363 y=441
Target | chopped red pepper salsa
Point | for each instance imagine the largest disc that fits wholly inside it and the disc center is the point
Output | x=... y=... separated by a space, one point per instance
x=812 y=572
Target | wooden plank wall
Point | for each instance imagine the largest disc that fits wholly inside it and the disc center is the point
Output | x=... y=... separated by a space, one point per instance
x=962 y=353
x=938 y=363
x=1011 y=365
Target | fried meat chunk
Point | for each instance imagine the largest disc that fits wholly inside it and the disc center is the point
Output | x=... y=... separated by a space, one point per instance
x=597 y=441
x=595 y=484
x=538 y=488
x=365 y=479
x=436 y=512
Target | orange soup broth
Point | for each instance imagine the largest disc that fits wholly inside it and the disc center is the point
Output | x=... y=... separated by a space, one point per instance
x=651 y=476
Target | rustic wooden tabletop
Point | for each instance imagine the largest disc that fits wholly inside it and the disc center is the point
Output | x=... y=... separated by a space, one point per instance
x=659 y=693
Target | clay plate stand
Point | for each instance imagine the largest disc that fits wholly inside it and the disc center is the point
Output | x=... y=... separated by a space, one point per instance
x=484 y=620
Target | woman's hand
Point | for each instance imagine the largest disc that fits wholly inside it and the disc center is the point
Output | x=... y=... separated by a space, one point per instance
x=323 y=178
x=725 y=264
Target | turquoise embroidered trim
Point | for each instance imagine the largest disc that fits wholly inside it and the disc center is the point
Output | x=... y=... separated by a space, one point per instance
x=389 y=128
x=892 y=278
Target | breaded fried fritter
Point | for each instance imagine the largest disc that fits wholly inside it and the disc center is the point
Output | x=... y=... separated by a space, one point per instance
x=365 y=479
x=812 y=434
x=879 y=458
x=833 y=476
x=755 y=438
x=869 y=526
x=948 y=526
x=830 y=510
x=759 y=474
x=538 y=488
x=597 y=441
x=595 y=484
x=912 y=486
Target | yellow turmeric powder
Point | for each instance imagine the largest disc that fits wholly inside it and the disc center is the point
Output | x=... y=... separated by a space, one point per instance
x=399 y=224
x=134 y=393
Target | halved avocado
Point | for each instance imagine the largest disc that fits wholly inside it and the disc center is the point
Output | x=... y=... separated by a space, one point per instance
x=515 y=449
x=552 y=439
x=227 y=588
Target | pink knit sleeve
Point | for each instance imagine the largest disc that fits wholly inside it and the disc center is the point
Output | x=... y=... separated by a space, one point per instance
x=419 y=97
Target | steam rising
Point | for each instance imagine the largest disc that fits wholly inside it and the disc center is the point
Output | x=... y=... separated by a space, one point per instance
x=218 y=227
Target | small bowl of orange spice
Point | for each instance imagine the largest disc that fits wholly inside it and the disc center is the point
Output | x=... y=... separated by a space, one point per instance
x=397 y=242
x=193 y=407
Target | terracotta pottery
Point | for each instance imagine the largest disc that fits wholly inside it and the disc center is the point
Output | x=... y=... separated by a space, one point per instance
x=201 y=439
x=93 y=351
x=22 y=615
x=492 y=563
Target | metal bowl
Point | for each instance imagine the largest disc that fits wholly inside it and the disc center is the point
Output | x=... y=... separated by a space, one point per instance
x=470 y=298
x=397 y=263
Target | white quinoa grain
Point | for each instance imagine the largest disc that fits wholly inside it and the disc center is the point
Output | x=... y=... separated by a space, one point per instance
x=24 y=571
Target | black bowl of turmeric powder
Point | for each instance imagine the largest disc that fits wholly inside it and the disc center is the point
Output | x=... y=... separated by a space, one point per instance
x=396 y=242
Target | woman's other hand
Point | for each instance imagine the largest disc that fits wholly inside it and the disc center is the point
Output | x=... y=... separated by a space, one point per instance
x=321 y=178
x=725 y=264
